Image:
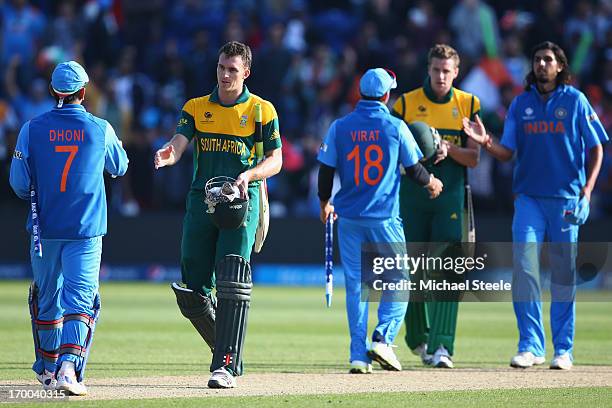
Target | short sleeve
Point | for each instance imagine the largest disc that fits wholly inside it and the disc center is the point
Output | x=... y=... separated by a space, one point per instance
x=409 y=153
x=591 y=128
x=327 y=152
x=475 y=109
x=186 y=122
x=115 y=160
x=399 y=107
x=508 y=139
x=271 y=128
x=20 y=177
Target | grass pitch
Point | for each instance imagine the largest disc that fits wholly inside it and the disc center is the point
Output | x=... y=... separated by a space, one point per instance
x=141 y=333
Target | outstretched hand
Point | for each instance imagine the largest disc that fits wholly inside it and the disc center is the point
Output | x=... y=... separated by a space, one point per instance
x=164 y=157
x=476 y=131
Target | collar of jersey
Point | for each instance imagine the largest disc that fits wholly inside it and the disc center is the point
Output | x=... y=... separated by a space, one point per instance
x=557 y=90
x=362 y=104
x=430 y=94
x=244 y=96
x=70 y=106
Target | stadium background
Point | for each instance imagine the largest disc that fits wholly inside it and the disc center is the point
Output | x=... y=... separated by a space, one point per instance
x=146 y=58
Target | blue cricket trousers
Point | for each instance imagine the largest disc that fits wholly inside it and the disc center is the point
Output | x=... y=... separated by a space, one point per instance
x=537 y=219
x=67 y=279
x=351 y=235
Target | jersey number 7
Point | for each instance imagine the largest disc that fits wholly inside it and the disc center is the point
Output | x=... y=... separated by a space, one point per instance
x=72 y=149
x=370 y=163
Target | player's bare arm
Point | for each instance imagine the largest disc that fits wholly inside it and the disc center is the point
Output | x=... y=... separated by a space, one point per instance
x=267 y=168
x=171 y=152
x=477 y=132
x=594 y=165
x=468 y=156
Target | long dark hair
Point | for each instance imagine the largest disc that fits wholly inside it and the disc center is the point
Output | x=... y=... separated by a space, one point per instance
x=563 y=77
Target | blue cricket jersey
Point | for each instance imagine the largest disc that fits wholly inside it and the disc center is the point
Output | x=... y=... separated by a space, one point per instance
x=63 y=154
x=366 y=147
x=550 y=139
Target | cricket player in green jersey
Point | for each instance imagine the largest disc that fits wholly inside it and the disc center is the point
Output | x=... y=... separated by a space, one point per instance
x=222 y=127
x=431 y=324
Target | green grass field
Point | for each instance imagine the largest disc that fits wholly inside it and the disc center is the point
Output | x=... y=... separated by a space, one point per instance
x=141 y=333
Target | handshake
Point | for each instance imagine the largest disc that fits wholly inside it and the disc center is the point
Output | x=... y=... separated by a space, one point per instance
x=434 y=186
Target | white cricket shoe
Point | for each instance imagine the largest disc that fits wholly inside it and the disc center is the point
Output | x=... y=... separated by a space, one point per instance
x=562 y=362
x=526 y=359
x=360 y=367
x=221 y=378
x=47 y=379
x=442 y=358
x=384 y=355
x=67 y=381
x=421 y=351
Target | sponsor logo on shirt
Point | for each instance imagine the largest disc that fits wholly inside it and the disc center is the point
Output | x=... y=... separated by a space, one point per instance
x=455 y=113
x=528 y=113
x=208 y=117
x=422 y=111
x=17 y=155
x=323 y=147
x=182 y=122
x=275 y=134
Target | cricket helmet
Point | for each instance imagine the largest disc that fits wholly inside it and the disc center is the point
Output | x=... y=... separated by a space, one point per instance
x=426 y=137
x=227 y=209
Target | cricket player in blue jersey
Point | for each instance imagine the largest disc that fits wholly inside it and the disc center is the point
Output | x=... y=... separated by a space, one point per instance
x=58 y=165
x=550 y=129
x=367 y=147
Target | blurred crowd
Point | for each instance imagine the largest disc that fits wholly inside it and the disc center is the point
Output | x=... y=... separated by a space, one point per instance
x=146 y=58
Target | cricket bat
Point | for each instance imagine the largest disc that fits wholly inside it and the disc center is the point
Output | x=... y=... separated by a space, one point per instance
x=264 y=209
x=329 y=259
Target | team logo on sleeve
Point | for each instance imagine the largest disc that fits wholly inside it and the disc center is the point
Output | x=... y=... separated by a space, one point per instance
x=17 y=155
x=592 y=117
x=323 y=147
x=560 y=113
x=243 y=120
